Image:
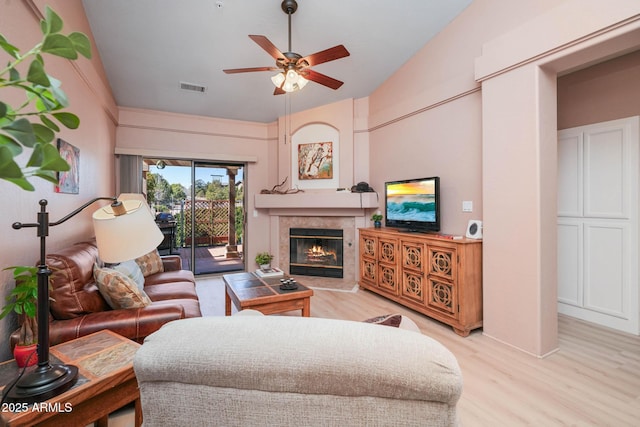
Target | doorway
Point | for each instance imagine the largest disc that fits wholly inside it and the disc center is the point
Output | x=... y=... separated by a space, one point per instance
x=200 y=208
x=597 y=223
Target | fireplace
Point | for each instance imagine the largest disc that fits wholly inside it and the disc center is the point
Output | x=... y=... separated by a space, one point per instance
x=316 y=252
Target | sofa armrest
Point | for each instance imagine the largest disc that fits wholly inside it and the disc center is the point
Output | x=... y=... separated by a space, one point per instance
x=171 y=262
x=132 y=323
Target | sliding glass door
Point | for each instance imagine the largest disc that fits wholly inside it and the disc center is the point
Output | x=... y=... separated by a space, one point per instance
x=199 y=206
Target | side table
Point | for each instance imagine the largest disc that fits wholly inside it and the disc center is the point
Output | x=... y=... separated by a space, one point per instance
x=106 y=382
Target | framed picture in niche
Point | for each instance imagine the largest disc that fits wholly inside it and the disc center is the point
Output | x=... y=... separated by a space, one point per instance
x=69 y=181
x=315 y=160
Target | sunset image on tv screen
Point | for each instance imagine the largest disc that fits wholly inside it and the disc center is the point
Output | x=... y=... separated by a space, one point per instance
x=412 y=201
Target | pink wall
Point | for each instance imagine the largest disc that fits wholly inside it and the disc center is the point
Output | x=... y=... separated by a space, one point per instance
x=602 y=92
x=90 y=99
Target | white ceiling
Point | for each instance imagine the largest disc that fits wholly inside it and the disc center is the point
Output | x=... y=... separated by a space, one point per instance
x=149 y=47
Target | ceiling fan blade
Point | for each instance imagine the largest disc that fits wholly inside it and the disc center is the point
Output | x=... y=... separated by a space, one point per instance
x=269 y=47
x=279 y=91
x=249 y=70
x=317 y=77
x=326 y=55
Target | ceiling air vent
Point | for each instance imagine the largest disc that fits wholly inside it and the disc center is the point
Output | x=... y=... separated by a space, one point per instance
x=192 y=87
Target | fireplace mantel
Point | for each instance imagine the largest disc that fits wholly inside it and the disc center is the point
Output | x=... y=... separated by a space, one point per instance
x=340 y=200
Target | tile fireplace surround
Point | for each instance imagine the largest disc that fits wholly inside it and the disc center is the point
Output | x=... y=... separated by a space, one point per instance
x=346 y=224
x=345 y=211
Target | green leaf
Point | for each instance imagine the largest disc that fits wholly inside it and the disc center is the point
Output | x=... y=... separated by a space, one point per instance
x=30 y=309
x=52 y=160
x=37 y=75
x=82 y=44
x=35 y=160
x=11 y=144
x=3 y=109
x=22 y=183
x=60 y=96
x=43 y=133
x=14 y=75
x=70 y=120
x=8 y=47
x=49 y=123
x=22 y=131
x=8 y=167
x=53 y=20
x=47 y=175
x=59 y=45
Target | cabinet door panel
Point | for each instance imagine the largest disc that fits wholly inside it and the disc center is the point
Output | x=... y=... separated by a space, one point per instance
x=443 y=297
x=368 y=271
x=412 y=286
x=413 y=255
x=388 y=278
x=443 y=262
x=368 y=245
x=387 y=250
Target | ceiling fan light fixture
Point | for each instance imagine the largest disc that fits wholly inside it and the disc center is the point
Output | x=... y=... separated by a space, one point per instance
x=289 y=81
x=278 y=79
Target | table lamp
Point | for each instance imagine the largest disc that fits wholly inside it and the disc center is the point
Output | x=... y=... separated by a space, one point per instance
x=124 y=230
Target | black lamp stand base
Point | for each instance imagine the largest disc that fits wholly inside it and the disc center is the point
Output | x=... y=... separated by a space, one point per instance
x=43 y=383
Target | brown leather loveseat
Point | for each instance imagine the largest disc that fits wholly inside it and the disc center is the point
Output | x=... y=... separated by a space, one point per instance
x=77 y=308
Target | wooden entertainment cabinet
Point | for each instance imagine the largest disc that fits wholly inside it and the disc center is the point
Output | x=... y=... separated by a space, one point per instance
x=436 y=276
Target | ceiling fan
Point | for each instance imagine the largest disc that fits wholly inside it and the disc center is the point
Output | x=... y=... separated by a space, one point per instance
x=294 y=69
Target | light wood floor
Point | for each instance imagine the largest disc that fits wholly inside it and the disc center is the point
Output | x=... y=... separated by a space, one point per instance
x=593 y=380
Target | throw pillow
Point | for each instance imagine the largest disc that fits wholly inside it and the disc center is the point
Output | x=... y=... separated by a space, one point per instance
x=387 y=320
x=150 y=263
x=119 y=290
x=132 y=270
x=395 y=320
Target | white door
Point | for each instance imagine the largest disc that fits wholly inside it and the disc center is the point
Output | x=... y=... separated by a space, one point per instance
x=598 y=223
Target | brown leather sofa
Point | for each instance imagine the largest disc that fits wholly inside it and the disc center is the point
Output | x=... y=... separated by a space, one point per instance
x=77 y=308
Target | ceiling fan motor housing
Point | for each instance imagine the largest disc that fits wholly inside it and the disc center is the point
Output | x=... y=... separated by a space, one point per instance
x=289 y=6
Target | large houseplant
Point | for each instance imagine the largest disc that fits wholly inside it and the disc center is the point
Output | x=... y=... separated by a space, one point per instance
x=31 y=125
x=23 y=300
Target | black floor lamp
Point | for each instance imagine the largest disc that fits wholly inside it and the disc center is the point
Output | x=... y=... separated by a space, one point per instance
x=124 y=230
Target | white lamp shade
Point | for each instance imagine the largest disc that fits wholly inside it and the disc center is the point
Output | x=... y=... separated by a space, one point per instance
x=128 y=236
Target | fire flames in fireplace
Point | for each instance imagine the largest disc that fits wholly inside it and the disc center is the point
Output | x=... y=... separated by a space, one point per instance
x=316 y=252
x=318 y=255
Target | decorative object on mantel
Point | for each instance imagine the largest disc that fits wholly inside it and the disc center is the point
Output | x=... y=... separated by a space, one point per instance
x=377 y=219
x=276 y=189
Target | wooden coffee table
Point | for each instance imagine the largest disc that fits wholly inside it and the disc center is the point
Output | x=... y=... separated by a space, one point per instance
x=247 y=290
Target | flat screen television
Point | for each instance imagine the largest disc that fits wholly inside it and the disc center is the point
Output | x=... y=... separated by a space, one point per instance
x=413 y=204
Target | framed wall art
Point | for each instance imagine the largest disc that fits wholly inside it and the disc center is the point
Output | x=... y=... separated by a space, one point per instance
x=315 y=160
x=315 y=157
x=69 y=182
